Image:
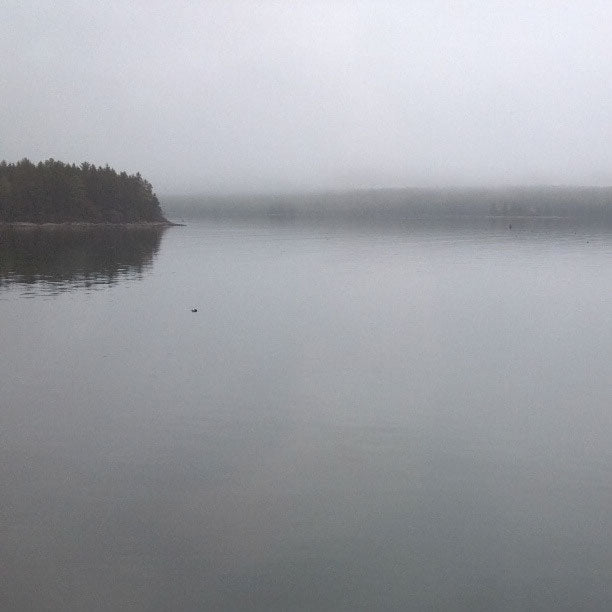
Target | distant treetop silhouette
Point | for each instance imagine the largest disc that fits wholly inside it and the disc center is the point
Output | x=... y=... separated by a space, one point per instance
x=55 y=192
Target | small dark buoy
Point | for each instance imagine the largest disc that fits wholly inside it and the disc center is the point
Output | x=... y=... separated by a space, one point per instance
x=194 y=310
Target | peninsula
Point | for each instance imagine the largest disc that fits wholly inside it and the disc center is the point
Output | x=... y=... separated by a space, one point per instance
x=60 y=193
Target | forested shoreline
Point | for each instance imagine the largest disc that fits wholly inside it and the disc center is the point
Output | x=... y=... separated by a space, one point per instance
x=56 y=192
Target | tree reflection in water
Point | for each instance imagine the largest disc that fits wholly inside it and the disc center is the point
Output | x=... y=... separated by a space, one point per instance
x=60 y=259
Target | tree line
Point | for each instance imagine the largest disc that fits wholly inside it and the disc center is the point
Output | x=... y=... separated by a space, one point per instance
x=55 y=192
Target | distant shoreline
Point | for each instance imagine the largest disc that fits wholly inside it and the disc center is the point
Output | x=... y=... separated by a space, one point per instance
x=76 y=225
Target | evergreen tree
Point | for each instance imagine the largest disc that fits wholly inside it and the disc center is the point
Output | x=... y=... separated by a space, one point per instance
x=55 y=192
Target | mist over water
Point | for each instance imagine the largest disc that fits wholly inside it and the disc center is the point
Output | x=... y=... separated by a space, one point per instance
x=444 y=207
x=359 y=416
x=382 y=383
x=266 y=96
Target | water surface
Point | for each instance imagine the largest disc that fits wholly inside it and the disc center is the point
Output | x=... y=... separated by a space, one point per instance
x=355 y=418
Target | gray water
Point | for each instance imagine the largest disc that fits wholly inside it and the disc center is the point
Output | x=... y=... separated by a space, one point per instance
x=370 y=418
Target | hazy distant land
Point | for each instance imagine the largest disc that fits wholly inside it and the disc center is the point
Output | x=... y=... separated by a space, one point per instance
x=588 y=204
x=53 y=192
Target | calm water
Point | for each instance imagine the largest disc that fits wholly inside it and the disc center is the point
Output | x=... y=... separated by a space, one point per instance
x=363 y=418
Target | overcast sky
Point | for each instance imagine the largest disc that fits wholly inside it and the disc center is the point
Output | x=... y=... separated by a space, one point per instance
x=209 y=96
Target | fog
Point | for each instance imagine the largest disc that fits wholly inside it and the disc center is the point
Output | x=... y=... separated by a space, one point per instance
x=226 y=97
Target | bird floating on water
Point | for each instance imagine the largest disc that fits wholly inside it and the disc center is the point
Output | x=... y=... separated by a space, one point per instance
x=194 y=310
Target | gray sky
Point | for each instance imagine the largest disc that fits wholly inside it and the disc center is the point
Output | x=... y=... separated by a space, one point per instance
x=231 y=96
